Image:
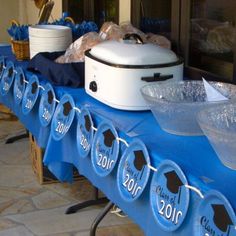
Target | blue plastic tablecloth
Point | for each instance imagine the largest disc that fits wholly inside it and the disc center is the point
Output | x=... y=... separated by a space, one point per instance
x=6 y=52
x=40 y=133
x=194 y=155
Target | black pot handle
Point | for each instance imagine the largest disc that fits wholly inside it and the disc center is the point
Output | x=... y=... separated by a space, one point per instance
x=157 y=77
x=134 y=36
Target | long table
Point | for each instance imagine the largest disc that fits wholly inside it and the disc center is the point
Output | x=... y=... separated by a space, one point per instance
x=198 y=200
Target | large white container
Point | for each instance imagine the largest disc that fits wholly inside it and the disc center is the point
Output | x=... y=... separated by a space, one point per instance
x=49 y=38
x=116 y=71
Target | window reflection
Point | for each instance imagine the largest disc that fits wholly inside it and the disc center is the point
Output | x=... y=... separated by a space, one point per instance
x=152 y=16
x=155 y=16
x=105 y=10
x=212 y=36
x=96 y=10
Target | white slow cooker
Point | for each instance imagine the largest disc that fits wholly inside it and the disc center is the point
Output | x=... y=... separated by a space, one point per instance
x=115 y=71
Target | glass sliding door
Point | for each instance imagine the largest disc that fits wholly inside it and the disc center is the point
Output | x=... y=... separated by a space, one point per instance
x=211 y=40
x=152 y=16
x=106 y=10
x=96 y=10
x=157 y=16
x=77 y=10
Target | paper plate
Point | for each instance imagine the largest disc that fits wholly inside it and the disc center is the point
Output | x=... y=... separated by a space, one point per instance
x=7 y=78
x=105 y=149
x=63 y=117
x=84 y=132
x=30 y=95
x=4 y=44
x=169 y=197
x=49 y=31
x=133 y=172
x=47 y=105
x=215 y=216
x=19 y=85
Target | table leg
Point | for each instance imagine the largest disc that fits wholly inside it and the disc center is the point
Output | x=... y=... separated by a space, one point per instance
x=95 y=201
x=99 y=218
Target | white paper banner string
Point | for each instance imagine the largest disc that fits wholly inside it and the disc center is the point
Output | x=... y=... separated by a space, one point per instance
x=94 y=128
x=127 y=145
x=123 y=141
x=57 y=101
x=41 y=87
x=195 y=190
x=25 y=81
x=117 y=211
x=15 y=71
x=77 y=109
x=152 y=168
x=4 y=67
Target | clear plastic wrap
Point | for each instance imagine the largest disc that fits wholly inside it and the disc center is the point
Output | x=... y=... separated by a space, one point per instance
x=108 y=31
x=111 y=31
x=159 y=40
x=75 y=53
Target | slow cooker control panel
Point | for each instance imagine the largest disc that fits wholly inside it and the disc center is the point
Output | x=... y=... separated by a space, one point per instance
x=93 y=86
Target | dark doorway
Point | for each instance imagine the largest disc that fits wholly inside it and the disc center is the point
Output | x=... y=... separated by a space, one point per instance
x=95 y=10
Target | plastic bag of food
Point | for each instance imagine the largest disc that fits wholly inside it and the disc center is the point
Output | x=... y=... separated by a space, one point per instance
x=75 y=53
x=159 y=40
x=111 y=31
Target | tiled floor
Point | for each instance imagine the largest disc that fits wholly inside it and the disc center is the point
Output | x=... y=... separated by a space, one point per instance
x=28 y=208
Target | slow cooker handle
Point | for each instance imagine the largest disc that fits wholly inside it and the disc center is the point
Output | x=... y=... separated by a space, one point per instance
x=157 y=77
x=135 y=37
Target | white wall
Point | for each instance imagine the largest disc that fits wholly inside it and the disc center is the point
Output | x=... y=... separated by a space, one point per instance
x=124 y=11
x=24 y=11
x=8 y=11
x=32 y=12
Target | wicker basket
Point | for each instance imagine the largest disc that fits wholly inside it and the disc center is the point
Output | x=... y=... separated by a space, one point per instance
x=20 y=48
x=69 y=19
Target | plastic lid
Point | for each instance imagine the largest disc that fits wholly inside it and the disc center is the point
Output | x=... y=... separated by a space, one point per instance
x=127 y=52
x=63 y=117
x=133 y=171
x=84 y=132
x=30 y=95
x=47 y=105
x=7 y=78
x=105 y=149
